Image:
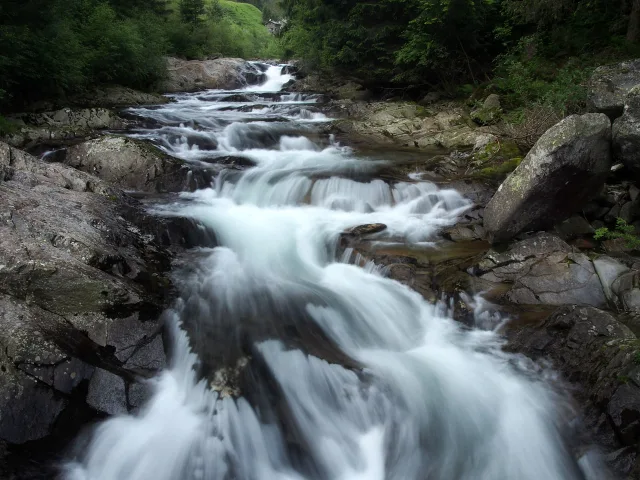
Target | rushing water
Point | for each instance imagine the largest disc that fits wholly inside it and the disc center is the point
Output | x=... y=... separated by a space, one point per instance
x=382 y=386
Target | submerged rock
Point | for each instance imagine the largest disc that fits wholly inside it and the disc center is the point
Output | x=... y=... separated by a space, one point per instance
x=610 y=84
x=136 y=165
x=567 y=166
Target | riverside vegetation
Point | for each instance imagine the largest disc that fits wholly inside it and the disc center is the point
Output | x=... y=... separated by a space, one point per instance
x=53 y=48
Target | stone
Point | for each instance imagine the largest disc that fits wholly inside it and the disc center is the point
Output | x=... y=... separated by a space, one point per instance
x=566 y=167
x=626 y=134
x=61 y=126
x=149 y=359
x=139 y=394
x=490 y=111
x=117 y=96
x=626 y=288
x=194 y=75
x=595 y=351
x=136 y=165
x=624 y=411
x=544 y=269
x=107 y=393
x=608 y=270
x=81 y=291
x=573 y=227
x=609 y=86
x=367 y=229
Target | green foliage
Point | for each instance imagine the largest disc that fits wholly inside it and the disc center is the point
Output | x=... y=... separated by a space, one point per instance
x=53 y=48
x=7 y=127
x=227 y=28
x=622 y=230
x=192 y=11
x=541 y=50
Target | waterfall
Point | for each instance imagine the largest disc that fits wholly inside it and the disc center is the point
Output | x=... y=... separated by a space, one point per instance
x=344 y=374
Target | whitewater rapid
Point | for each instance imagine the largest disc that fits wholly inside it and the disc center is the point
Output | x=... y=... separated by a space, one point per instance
x=385 y=387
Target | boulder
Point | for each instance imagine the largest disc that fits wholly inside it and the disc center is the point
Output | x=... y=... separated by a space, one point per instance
x=567 y=166
x=490 y=111
x=136 y=165
x=81 y=292
x=194 y=75
x=61 y=126
x=626 y=134
x=598 y=354
x=609 y=86
x=543 y=270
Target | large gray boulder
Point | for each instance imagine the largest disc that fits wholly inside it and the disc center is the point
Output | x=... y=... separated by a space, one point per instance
x=626 y=134
x=566 y=167
x=221 y=73
x=610 y=84
x=81 y=291
x=135 y=165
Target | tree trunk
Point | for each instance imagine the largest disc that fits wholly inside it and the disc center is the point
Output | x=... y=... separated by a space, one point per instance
x=633 y=30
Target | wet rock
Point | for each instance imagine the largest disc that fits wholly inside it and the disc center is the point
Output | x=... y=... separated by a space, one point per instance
x=61 y=126
x=544 y=270
x=625 y=289
x=609 y=86
x=138 y=394
x=597 y=353
x=227 y=380
x=81 y=289
x=461 y=233
x=367 y=229
x=626 y=134
x=568 y=164
x=107 y=393
x=194 y=75
x=150 y=358
x=135 y=165
x=608 y=270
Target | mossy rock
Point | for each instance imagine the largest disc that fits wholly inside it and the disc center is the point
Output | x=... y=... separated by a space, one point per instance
x=486 y=116
x=499 y=172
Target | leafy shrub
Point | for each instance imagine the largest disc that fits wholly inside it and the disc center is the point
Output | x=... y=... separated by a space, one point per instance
x=622 y=230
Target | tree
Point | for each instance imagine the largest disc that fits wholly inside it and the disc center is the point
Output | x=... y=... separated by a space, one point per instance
x=191 y=11
x=633 y=30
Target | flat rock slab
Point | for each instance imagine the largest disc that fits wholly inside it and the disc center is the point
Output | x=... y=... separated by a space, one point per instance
x=544 y=270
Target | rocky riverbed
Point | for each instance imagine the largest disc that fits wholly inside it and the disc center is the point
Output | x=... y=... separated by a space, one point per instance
x=85 y=269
